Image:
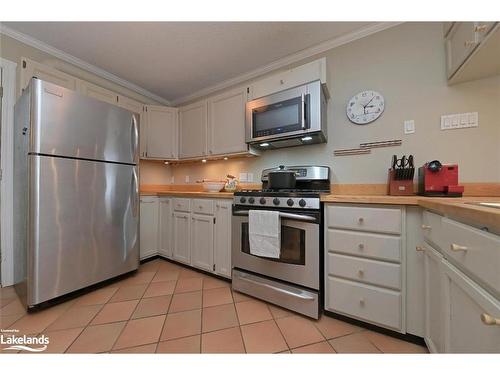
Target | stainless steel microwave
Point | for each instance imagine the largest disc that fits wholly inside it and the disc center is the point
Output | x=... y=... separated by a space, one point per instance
x=292 y=117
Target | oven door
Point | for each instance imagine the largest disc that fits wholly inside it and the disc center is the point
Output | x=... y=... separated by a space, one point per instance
x=281 y=114
x=300 y=249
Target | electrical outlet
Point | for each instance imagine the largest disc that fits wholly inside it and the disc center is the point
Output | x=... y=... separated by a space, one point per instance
x=409 y=126
x=172 y=179
x=460 y=121
x=186 y=179
x=243 y=176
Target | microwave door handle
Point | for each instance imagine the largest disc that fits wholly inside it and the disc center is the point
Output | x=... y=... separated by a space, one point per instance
x=303 y=103
x=283 y=215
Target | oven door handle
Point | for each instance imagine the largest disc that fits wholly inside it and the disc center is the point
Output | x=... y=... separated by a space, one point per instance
x=292 y=294
x=283 y=215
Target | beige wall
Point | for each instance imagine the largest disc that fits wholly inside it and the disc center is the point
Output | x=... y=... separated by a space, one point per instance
x=13 y=50
x=407 y=65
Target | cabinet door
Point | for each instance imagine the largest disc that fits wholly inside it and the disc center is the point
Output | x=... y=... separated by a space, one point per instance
x=181 y=237
x=222 y=244
x=193 y=130
x=165 y=227
x=466 y=302
x=149 y=227
x=202 y=241
x=136 y=107
x=161 y=132
x=98 y=93
x=31 y=69
x=460 y=43
x=226 y=125
x=434 y=318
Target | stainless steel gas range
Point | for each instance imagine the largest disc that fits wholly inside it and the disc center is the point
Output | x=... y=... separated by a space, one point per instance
x=294 y=279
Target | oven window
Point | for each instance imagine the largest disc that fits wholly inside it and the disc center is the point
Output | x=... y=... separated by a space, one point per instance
x=293 y=244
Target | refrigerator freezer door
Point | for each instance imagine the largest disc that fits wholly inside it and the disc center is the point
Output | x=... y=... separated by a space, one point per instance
x=66 y=123
x=83 y=224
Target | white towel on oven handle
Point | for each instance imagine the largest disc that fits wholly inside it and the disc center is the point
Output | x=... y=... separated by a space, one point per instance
x=264 y=233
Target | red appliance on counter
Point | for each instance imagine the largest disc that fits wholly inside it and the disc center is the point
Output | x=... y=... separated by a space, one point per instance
x=439 y=180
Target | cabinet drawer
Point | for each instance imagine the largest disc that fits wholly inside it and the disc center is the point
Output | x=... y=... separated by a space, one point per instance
x=364 y=270
x=182 y=204
x=478 y=252
x=203 y=206
x=376 y=305
x=361 y=244
x=431 y=227
x=373 y=219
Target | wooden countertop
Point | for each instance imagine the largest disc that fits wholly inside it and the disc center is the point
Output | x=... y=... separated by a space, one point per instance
x=458 y=208
x=189 y=194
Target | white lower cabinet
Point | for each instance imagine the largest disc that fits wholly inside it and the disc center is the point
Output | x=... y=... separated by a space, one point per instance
x=202 y=241
x=181 y=237
x=149 y=227
x=365 y=263
x=191 y=231
x=433 y=281
x=165 y=227
x=222 y=243
x=472 y=316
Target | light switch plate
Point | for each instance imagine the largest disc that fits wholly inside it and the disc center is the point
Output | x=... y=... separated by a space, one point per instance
x=460 y=121
x=409 y=126
x=249 y=177
x=243 y=176
x=186 y=179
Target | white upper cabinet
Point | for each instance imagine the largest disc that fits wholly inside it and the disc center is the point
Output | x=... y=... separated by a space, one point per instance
x=30 y=69
x=161 y=130
x=472 y=50
x=315 y=70
x=98 y=92
x=226 y=123
x=193 y=130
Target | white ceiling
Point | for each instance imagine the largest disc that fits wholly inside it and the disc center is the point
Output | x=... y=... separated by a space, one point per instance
x=178 y=59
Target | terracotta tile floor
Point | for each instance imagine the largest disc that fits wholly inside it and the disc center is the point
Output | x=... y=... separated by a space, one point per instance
x=167 y=308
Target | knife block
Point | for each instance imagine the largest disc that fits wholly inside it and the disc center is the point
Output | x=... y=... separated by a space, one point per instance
x=399 y=187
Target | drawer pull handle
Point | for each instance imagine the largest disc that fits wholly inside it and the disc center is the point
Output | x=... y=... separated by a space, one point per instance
x=361 y=220
x=361 y=246
x=455 y=247
x=361 y=301
x=469 y=43
x=361 y=273
x=481 y=28
x=425 y=226
x=489 y=320
x=420 y=248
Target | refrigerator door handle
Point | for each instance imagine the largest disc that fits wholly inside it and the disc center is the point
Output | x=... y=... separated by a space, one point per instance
x=134 y=137
x=135 y=193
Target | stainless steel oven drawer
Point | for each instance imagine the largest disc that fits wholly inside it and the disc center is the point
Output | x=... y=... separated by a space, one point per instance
x=300 y=300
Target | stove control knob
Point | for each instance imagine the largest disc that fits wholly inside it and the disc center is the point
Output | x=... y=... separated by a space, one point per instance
x=262 y=201
x=276 y=201
x=302 y=203
x=243 y=200
x=290 y=202
x=251 y=200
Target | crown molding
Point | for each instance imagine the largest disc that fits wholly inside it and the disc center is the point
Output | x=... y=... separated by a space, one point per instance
x=33 y=42
x=290 y=59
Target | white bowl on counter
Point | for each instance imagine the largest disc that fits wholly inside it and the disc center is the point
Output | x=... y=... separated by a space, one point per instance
x=213 y=186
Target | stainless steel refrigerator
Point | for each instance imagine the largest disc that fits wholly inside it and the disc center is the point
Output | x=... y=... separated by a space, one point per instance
x=76 y=192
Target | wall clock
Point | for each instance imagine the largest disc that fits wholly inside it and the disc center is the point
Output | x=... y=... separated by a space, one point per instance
x=365 y=107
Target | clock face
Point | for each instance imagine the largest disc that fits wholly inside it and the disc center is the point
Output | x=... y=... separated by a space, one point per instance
x=365 y=107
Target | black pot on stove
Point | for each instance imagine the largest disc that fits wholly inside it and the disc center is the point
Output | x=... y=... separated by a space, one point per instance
x=281 y=178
